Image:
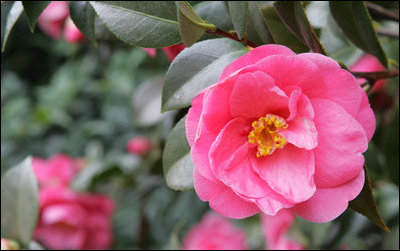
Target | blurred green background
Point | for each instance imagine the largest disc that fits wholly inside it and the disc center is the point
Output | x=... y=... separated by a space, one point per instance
x=88 y=102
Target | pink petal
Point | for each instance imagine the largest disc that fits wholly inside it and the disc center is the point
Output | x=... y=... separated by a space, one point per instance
x=343 y=89
x=193 y=118
x=272 y=203
x=230 y=163
x=151 y=51
x=289 y=172
x=255 y=94
x=366 y=117
x=329 y=203
x=341 y=140
x=254 y=56
x=288 y=71
x=301 y=130
x=173 y=51
x=222 y=199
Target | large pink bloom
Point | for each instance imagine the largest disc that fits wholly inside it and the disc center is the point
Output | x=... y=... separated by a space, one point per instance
x=276 y=229
x=215 y=232
x=280 y=130
x=59 y=170
x=69 y=220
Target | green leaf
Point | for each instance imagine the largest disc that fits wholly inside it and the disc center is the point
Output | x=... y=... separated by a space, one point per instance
x=365 y=204
x=238 y=10
x=195 y=68
x=32 y=10
x=258 y=31
x=10 y=12
x=279 y=31
x=192 y=27
x=19 y=202
x=216 y=13
x=148 y=24
x=293 y=16
x=83 y=16
x=353 y=18
x=177 y=163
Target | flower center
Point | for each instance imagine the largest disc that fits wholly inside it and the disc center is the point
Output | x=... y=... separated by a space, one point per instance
x=265 y=134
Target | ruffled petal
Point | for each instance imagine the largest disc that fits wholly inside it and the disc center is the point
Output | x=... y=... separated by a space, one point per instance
x=193 y=117
x=255 y=94
x=343 y=88
x=341 y=140
x=289 y=172
x=254 y=56
x=222 y=199
x=366 y=117
x=329 y=203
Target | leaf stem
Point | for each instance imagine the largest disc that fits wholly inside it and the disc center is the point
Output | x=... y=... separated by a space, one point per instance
x=376 y=75
x=380 y=12
x=232 y=36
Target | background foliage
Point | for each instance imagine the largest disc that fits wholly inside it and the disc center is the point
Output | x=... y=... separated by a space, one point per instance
x=88 y=101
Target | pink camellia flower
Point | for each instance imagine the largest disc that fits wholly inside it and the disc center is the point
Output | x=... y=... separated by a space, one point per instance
x=9 y=245
x=139 y=145
x=369 y=63
x=72 y=33
x=215 y=232
x=52 y=19
x=173 y=51
x=70 y=220
x=59 y=170
x=170 y=51
x=276 y=229
x=280 y=130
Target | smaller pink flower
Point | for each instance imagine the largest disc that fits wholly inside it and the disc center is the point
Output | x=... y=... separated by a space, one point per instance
x=9 y=245
x=52 y=19
x=173 y=51
x=215 y=232
x=369 y=63
x=151 y=51
x=72 y=33
x=139 y=145
x=275 y=230
x=70 y=220
x=59 y=170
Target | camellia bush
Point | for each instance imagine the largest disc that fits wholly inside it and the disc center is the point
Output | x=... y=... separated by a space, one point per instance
x=199 y=125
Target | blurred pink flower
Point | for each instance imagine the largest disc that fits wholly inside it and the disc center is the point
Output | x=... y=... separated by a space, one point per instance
x=170 y=51
x=9 y=245
x=72 y=33
x=173 y=51
x=71 y=220
x=280 y=130
x=276 y=229
x=52 y=19
x=215 y=232
x=59 y=170
x=369 y=63
x=139 y=145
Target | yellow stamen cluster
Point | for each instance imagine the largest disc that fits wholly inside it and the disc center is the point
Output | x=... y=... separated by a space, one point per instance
x=265 y=134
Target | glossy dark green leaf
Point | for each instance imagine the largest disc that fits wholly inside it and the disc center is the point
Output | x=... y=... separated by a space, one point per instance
x=258 y=31
x=83 y=16
x=279 y=31
x=365 y=204
x=293 y=16
x=191 y=25
x=195 y=68
x=151 y=24
x=238 y=10
x=32 y=10
x=19 y=202
x=10 y=12
x=355 y=22
x=177 y=163
x=216 y=13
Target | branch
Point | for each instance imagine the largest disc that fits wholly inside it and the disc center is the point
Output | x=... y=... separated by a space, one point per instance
x=376 y=75
x=380 y=12
x=232 y=36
